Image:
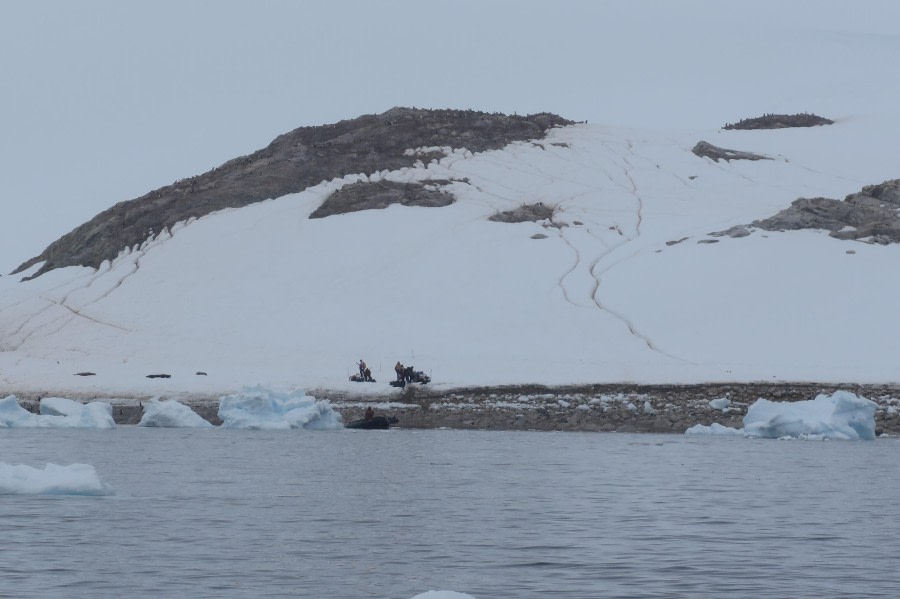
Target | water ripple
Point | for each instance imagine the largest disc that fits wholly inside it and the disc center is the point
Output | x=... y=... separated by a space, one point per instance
x=495 y=515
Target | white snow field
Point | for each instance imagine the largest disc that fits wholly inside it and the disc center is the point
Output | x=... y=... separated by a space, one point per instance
x=264 y=295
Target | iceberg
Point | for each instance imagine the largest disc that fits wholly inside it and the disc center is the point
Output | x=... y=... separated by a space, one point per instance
x=171 y=414
x=53 y=479
x=96 y=414
x=261 y=408
x=714 y=429
x=56 y=412
x=842 y=415
x=59 y=406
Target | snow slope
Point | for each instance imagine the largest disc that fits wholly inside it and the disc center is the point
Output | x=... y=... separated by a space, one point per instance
x=264 y=295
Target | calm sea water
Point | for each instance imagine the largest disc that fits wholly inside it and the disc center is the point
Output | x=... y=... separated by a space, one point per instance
x=391 y=514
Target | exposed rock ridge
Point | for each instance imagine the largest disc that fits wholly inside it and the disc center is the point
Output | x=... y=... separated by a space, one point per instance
x=292 y=162
x=704 y=149
x=379 y=195
x=525 y=213
x=872 y=214
x=780 y=121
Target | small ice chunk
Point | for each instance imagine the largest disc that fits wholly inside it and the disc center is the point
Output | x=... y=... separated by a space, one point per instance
x=721 y=404
x=171 y=414
x=53 y=479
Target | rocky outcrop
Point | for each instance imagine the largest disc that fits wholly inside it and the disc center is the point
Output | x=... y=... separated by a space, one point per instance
x=292 y=162
x=780 y=121
x=872 y=215
x=379 y=195
x=705 y=149
x=526 y=213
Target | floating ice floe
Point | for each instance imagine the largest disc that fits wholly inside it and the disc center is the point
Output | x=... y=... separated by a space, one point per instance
x=443 y=595
x=171 y=414
x=714 y=429
x=260 y=408
x=842 y=415
x=53 y=479
x=56 y=412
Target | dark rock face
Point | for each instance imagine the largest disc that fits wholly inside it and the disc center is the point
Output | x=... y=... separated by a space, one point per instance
x=780 y=121
x=527 y=213
x=707 y=150
x=374 y=196
x=292 y=162
x=872 y=214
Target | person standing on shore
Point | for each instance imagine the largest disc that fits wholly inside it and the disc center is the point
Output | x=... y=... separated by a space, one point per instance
x=362 y=369
x=398 y=368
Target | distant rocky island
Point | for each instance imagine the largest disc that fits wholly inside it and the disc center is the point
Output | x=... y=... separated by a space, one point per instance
x=290 y=164
x=780 y=121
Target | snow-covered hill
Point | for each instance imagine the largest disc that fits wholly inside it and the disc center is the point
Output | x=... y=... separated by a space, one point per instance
x=597 y=293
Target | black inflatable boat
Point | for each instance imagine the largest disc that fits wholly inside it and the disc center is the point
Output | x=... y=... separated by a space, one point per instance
x=378 y=422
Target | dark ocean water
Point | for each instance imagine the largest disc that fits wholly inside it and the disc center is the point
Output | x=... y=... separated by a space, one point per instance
x=391 y=514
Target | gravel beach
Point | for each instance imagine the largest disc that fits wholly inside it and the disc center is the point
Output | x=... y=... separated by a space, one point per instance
x=608 y=407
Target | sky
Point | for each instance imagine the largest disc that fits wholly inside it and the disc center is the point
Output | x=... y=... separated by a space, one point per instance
x=103 y=101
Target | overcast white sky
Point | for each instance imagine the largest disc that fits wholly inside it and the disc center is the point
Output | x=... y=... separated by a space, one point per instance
x=102 y=101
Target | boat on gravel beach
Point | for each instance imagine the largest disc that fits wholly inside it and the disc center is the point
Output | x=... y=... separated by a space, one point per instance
x=378 y=422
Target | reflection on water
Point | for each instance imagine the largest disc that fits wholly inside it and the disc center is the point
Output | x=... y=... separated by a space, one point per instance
x=390 y=514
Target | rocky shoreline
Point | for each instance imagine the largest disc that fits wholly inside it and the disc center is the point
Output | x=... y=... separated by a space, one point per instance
x=621 y=408
x=608 y=407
